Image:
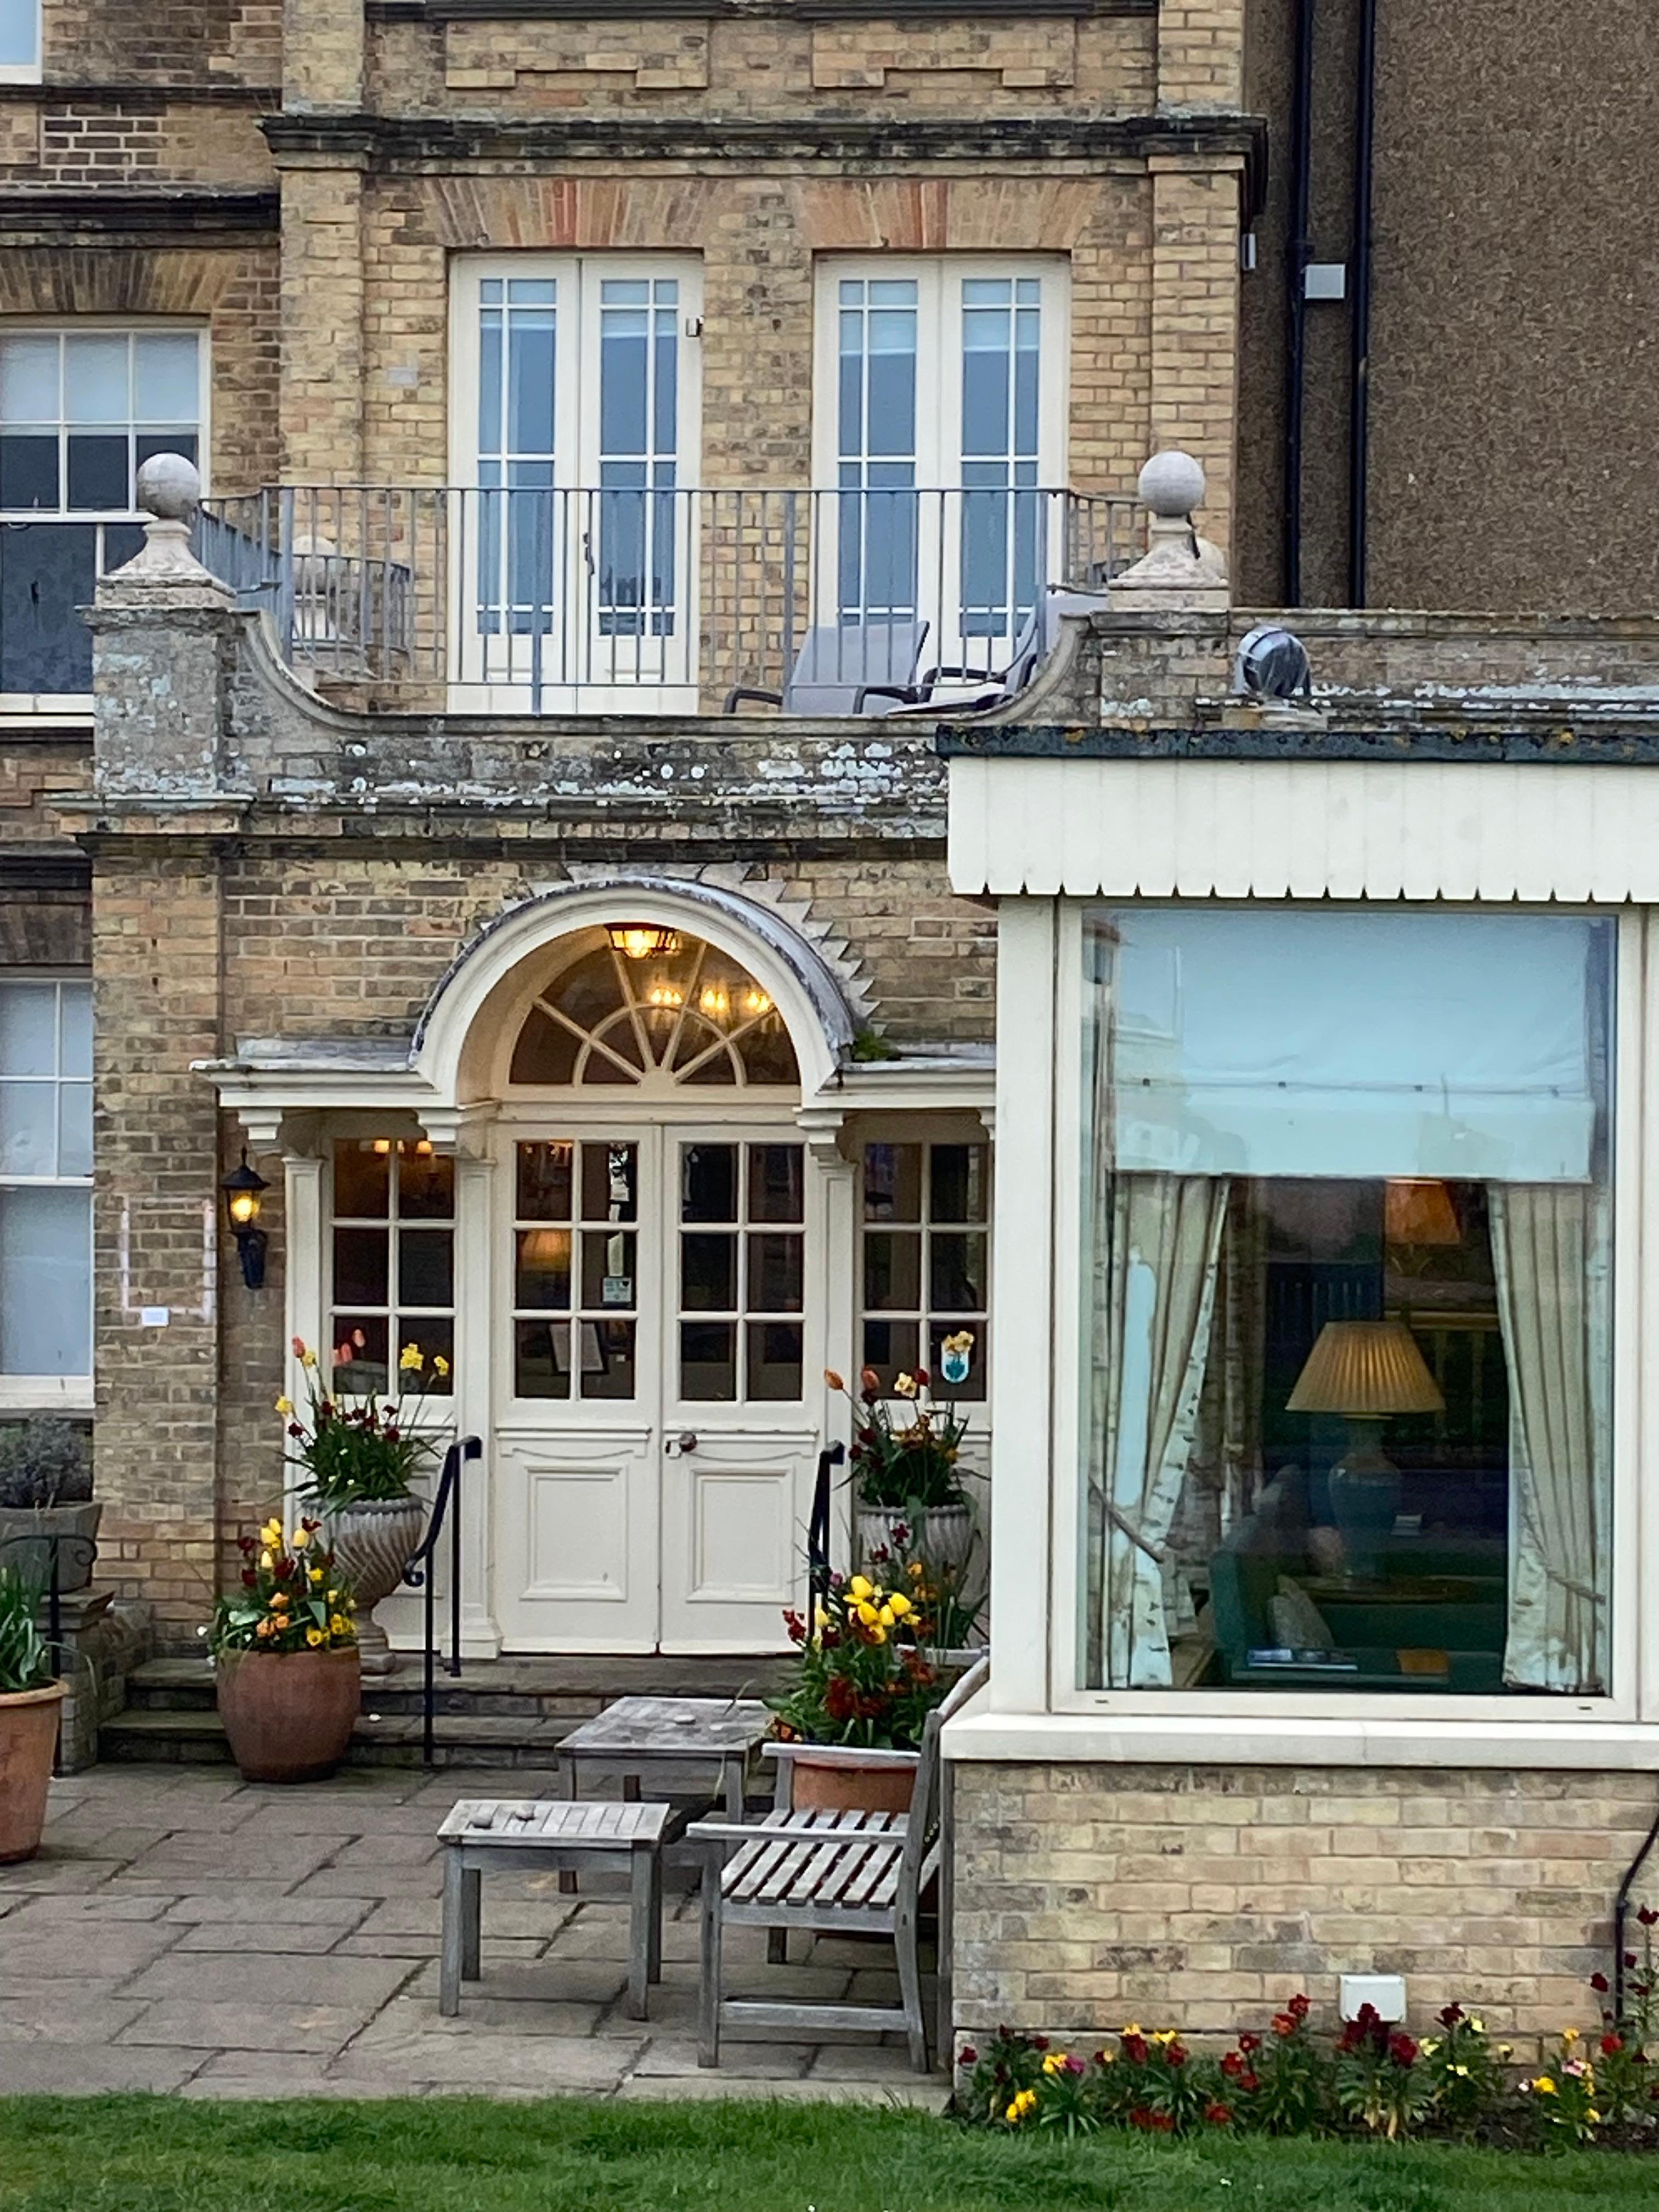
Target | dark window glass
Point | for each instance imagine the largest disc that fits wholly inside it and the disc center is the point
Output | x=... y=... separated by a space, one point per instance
x=892 y=1271
x=360 y=1363
x=99 y=469
x=426 y=1186
x=47 y=570
x=362 y=1180
x=426 y=1273
x=610 y=1182
x=434 y=1337
x=541 y=1359
x=776 y=1266
x=708 y=1182
x=775 y=1359
x=776 y=1182
x=958 y=1183
x=608 y=1359
x=28 y=471
x=545 y=1052
x=542 y=1274
x=709 y=1361
x=892 y=1182
x=609 y=1262
x=709 y=1274
x=360 y=1268
x=544 y=1187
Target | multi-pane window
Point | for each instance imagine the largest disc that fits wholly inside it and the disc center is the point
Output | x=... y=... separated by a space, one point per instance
x=46 y=1178
x=582 y=442
x=942 y=385
x=926 y=1259
x=20 y=41
x=393 y=1261
x=80 y=411
x=742 y=1273
x=575 y=1272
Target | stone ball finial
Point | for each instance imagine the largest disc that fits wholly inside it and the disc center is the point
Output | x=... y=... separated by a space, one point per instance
x=1171 y=484
x=169 y=487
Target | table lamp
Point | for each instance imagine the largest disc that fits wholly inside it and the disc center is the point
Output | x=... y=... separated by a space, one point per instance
x=1367 y=1371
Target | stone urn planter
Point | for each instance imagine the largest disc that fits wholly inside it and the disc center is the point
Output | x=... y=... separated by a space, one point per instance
x=944 y=1535
x=288 y=1715
x=26 y=1542
x=29 y=1738
x=834 y=1777
x=373 y=1541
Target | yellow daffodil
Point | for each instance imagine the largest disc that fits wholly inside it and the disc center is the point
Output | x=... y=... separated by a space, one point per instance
x=905 y=1386
x=1570 y=2035
x=859 y=1587
x=340 y=1624
x=334 y=1597
x=1429 y=2046
x=307 y=1358
x=1164 y=2035
x=962 y=1341
x=915 y=1570
x=314 y=1637
x=1054 y=2061
x=411 y=1359
x=1543 y=2086
x=439 y=1366
x=285 y=1408
x=302 y=1538
x=1023 y=2103
x=315 y=1573
x=1134 y=2028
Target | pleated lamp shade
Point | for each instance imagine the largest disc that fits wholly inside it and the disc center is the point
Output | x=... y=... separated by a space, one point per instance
x=1366 y=1370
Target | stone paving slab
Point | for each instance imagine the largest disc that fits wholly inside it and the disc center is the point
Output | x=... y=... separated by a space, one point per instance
x=193 y=1933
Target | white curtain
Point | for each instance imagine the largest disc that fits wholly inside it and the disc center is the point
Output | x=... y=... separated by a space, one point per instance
x=1157 y=1241
x=1552 y=1253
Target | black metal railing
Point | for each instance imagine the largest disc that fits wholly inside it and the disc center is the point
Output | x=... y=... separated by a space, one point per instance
x=818 y=1530
x=83 y=1555
x=418 y=1574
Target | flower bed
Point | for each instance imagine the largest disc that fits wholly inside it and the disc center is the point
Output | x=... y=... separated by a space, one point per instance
x=1371 y=2079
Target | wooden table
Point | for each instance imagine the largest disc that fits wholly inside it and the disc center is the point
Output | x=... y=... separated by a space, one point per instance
x=496 y=1835
x=686 y=1747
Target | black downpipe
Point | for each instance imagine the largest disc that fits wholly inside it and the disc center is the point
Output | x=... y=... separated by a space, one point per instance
x=1297 y=297
x=1359 y=394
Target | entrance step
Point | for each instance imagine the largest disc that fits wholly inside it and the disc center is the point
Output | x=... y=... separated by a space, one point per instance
x=498 y=1713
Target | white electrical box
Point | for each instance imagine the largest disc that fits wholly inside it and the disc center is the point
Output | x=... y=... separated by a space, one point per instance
x=1384 y=1993
x=1325 y=280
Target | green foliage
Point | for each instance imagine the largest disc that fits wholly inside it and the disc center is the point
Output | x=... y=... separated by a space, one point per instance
x=908 y=1466
x=45 y=1464
x=1378 y=2080
x=288 y=1597
x=869 y=1044
x=360 y=1447
x=863 y=1676
x=25 y=1660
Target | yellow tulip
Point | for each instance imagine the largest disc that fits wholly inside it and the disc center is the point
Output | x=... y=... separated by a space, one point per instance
x=859 y=1587
x=302 y=1538
x=440 y=1365
x=340 y=1624
x=878 y=1634
x=266 y=1560
x=315 y=1637
x=899 y=1604
x=285 y=1408
x=316 y=1574
x=866 y=1613
x=307 y=1358
x=886 y=1616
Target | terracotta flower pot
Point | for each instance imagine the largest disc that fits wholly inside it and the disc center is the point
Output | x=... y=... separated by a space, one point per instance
x=288 y=1715
x=836 y=1779
x=373 y=1541
x=29 y=1737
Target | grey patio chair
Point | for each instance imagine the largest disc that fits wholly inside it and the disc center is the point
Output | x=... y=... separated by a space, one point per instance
x=832 y=1874
x=841 y=667
x=996 y=686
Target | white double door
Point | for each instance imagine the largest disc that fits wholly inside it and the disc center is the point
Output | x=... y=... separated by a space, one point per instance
x=654 y=1372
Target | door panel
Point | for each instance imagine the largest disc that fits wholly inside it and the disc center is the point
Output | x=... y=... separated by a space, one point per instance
x=576 y=1552
x=733 y=1538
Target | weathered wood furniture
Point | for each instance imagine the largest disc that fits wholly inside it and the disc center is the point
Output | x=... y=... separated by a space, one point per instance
x=510 y=1835
x=681 y=1746
x=833 y=1874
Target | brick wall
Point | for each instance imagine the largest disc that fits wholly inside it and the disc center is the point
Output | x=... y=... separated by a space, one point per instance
x=1201 y=1898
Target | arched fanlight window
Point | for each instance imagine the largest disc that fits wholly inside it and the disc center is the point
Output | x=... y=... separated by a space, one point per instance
x=653 y=1007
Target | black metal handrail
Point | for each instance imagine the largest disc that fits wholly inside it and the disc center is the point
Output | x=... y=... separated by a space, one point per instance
x=54 y=1539
x=818 y=1531
x=419 y=1576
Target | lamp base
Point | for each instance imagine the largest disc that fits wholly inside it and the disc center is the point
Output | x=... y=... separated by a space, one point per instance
x=1364 y=1489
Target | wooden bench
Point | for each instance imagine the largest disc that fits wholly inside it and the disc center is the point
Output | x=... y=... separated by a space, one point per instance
x=496 y=1835
x=833 y=1873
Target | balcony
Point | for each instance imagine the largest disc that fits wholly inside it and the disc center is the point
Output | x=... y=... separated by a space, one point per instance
x=633 y=599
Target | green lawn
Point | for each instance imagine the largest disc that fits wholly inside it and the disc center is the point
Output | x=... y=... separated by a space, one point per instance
x=155 y=2154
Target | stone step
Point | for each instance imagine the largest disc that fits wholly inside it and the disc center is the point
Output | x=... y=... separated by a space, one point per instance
x=198 y=1739
x=556 y=1686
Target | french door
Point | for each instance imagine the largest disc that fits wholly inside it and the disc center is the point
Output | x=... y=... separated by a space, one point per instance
x=576 y=426
x=653 y=1452
x=939 y=449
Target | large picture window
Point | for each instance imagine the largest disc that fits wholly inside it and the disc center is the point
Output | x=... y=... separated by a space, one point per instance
x=1346 y=1414
x=45 y=1189
x=80 y=411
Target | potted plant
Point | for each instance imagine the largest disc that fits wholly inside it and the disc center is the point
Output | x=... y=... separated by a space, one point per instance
x=46 y=1505
x=30 y=1697
x=851 y=1725
x=361 y=1455
x=285 y=1647
x=903 y=1470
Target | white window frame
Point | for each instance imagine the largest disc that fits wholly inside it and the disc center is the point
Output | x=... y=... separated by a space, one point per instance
x=1035 y=1709
x=664 y=672
x=54 y=1393
x=29 y=702
x=977 y=1409
x=29 y=72
x=437 y=1413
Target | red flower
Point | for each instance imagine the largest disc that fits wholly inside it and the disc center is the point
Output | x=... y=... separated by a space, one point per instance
x=245 y=1543
x=1248 y=2081
x=1232 y=2066
x=283 y=1569
x=1249 y=2043
x=1451 y=2014
x=1218 y=2115
x=298 y=1345
x=1176 y=2054
x=1299 y=2007
x=249 y=1578
x=1155 y=2122
x=1134 y=2049
x=1611 y=2045
x=1630 y=1958
x=311 y=1527
x=1039 y=2043
x=970 y=2056
x=1403 y=2050
x=1599 y=1985
x=1283 y=2025
x=1648 y=1917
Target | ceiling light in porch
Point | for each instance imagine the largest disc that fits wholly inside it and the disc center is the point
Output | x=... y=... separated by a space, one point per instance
x=643 y=940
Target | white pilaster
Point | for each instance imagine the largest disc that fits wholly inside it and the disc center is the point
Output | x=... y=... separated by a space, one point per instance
x=475 y=1332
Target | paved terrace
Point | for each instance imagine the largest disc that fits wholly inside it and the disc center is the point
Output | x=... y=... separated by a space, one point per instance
x=184 y=1931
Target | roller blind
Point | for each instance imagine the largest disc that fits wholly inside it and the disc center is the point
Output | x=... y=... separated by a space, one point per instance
x=1281 y=1043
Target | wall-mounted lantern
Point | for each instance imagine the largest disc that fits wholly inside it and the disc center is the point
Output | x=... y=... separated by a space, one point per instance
x=243 y=1189
x=643 y=940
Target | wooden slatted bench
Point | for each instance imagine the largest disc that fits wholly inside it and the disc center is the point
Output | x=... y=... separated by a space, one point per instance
x=496 y=1835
